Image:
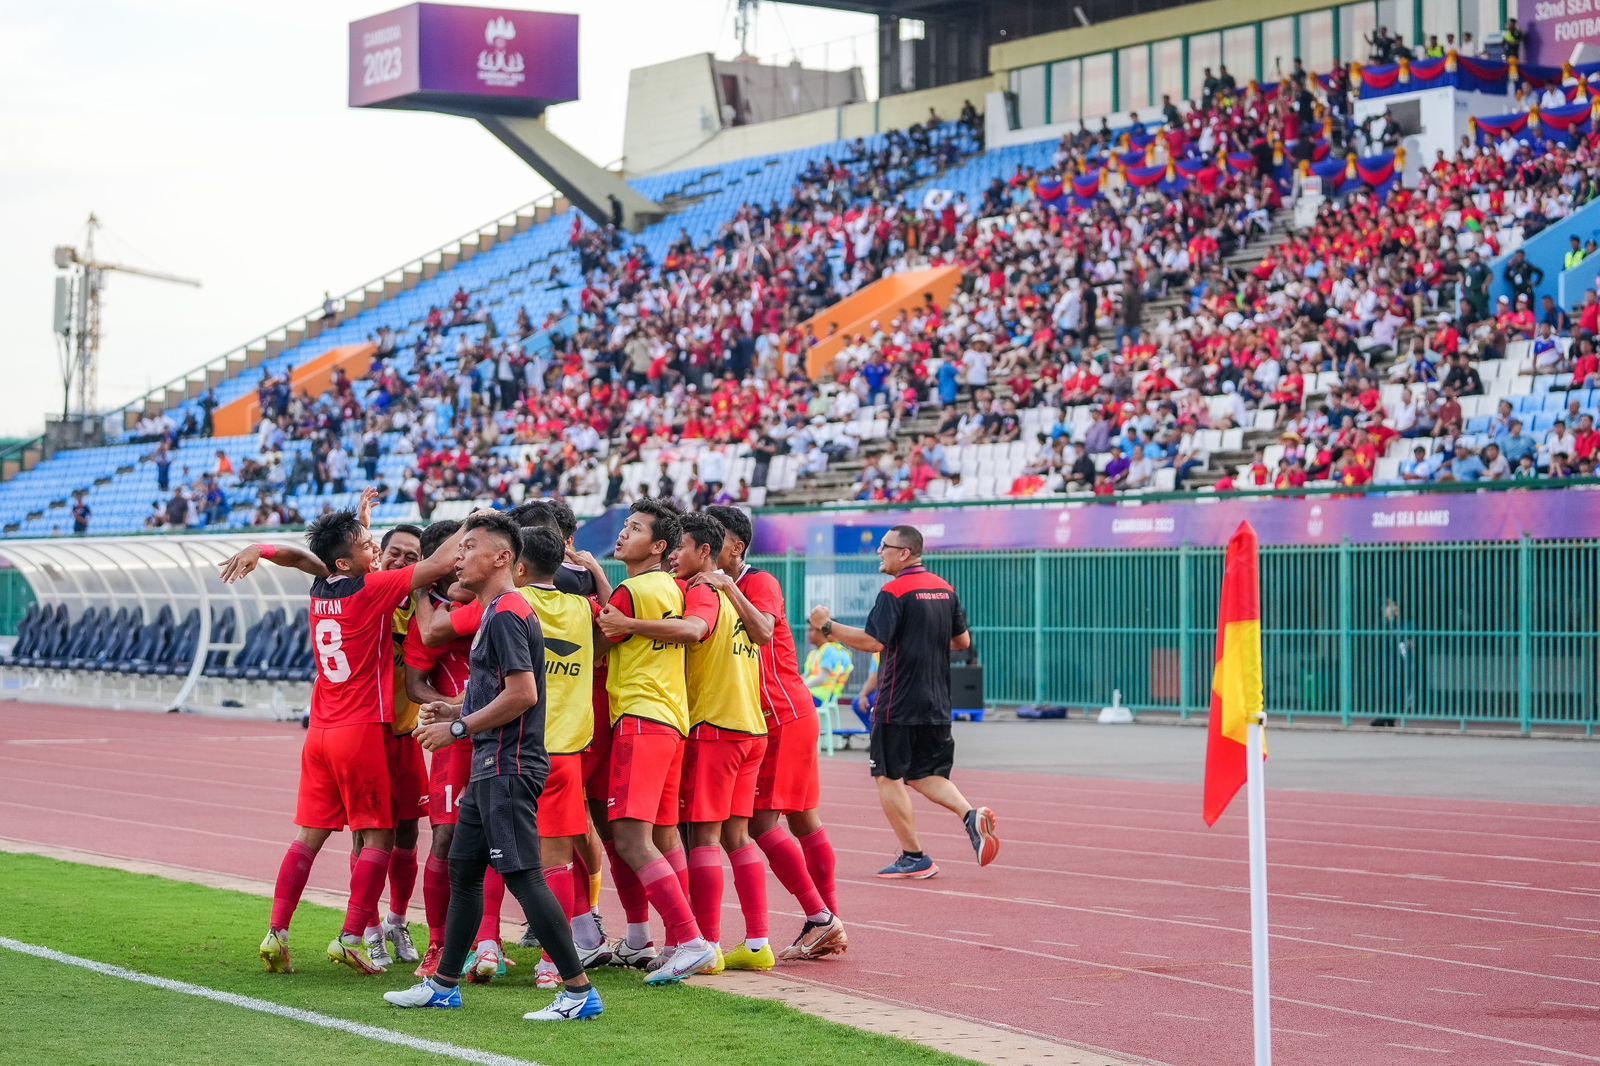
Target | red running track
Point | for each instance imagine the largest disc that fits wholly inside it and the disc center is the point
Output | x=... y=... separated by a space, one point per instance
x=1405 y=931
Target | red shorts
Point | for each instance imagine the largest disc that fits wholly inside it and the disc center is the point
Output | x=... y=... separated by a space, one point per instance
x=344 y=778
x=788 y=778
x=447 y=782
x=562 y=812
x=408 y=777
x=719 y=775
x=646 y=763
x=597 y=759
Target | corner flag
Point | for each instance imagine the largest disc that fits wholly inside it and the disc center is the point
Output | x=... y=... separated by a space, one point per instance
x=1236 y=686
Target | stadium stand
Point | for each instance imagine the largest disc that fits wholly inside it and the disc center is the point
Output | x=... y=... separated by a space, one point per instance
x=1134 y=314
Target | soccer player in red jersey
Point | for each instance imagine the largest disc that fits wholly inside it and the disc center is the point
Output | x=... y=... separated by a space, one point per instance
x=644 y=624
x=788 y=783
x=439 y=674
x=727 y=739
x=344 y=767
x=408 y=773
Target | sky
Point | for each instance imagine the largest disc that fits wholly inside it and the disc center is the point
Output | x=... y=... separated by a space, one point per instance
x=213 y=140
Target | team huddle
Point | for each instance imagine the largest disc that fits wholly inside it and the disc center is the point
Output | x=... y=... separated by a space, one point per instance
x=657 y=727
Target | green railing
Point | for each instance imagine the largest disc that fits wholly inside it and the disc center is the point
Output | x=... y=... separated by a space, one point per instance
x=1504 y=633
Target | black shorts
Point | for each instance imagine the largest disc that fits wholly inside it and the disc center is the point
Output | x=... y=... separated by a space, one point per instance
x=911 y=752
x=497 y=822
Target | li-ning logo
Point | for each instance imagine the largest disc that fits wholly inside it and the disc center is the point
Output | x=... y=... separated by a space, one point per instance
x=496 y=66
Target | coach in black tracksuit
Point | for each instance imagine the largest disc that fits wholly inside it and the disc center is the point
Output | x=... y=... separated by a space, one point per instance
x=915 y=624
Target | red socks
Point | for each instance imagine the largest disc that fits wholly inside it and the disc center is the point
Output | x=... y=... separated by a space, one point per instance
x=750 y=882
x=366 y=885
x=635 y=906
x=292 y=876
x=559 y=878
x=436 y=897
x=494 y=893
x=820 y=863
x=679 y=861
x=705 y=891
x=660 y=882
x=790 y=866
x=402 y=879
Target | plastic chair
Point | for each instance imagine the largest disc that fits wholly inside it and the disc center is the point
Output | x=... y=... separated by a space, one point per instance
x=827 y=715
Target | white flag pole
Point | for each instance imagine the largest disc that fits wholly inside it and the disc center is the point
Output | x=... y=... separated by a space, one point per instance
x=1255 y=787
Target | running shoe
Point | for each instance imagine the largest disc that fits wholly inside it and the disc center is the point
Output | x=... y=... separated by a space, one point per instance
x=742 y=958
x=427 y=994
x=570 y=1007
x=661 y=959
x=348 y=949
x=632 y=958
x=980 y=830
x=397 y=936
x=275 y=951
x=545 y=975
x=907 y=868
x=377 y=947
x=684 y=962
x=818 y=939
x=430 y=961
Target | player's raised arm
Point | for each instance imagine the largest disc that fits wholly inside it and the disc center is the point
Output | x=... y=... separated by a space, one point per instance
x=757 y=623
x=438 y=565
x=369 y=496
x=239 y=566
x=602 y=584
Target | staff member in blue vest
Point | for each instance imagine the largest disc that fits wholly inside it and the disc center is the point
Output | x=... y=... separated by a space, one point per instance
x=915 y=624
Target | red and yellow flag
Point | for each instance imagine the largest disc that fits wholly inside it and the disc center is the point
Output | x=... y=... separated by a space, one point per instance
x=1236 y=687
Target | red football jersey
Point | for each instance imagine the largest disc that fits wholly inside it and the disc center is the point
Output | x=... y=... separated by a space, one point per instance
x=352 y=621
x=784 y=696
x=446 y=666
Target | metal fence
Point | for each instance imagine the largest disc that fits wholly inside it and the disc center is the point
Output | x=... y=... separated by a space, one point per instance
x=1505 y=633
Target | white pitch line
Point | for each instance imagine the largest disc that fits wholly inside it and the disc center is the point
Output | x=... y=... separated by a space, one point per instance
x=980 y=988
x=1419 y=1047
x=1580 y=958
x=1404 y=903
x=1454 y=992
x=1298 y=1032
x=1147 y=954
x=1375 y=936
x=1476 y=947
x=1351 y=980
x=884 y=973
x=262 y=1006
x=1076 y=1002
x=1197 y=917
x=64 y=740
x=1558 y=1003
x=1486 y=910
x=1056 y=943
x=1185 y=1017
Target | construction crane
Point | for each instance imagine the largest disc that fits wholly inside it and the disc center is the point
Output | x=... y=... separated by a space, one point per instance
x=77 y=318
